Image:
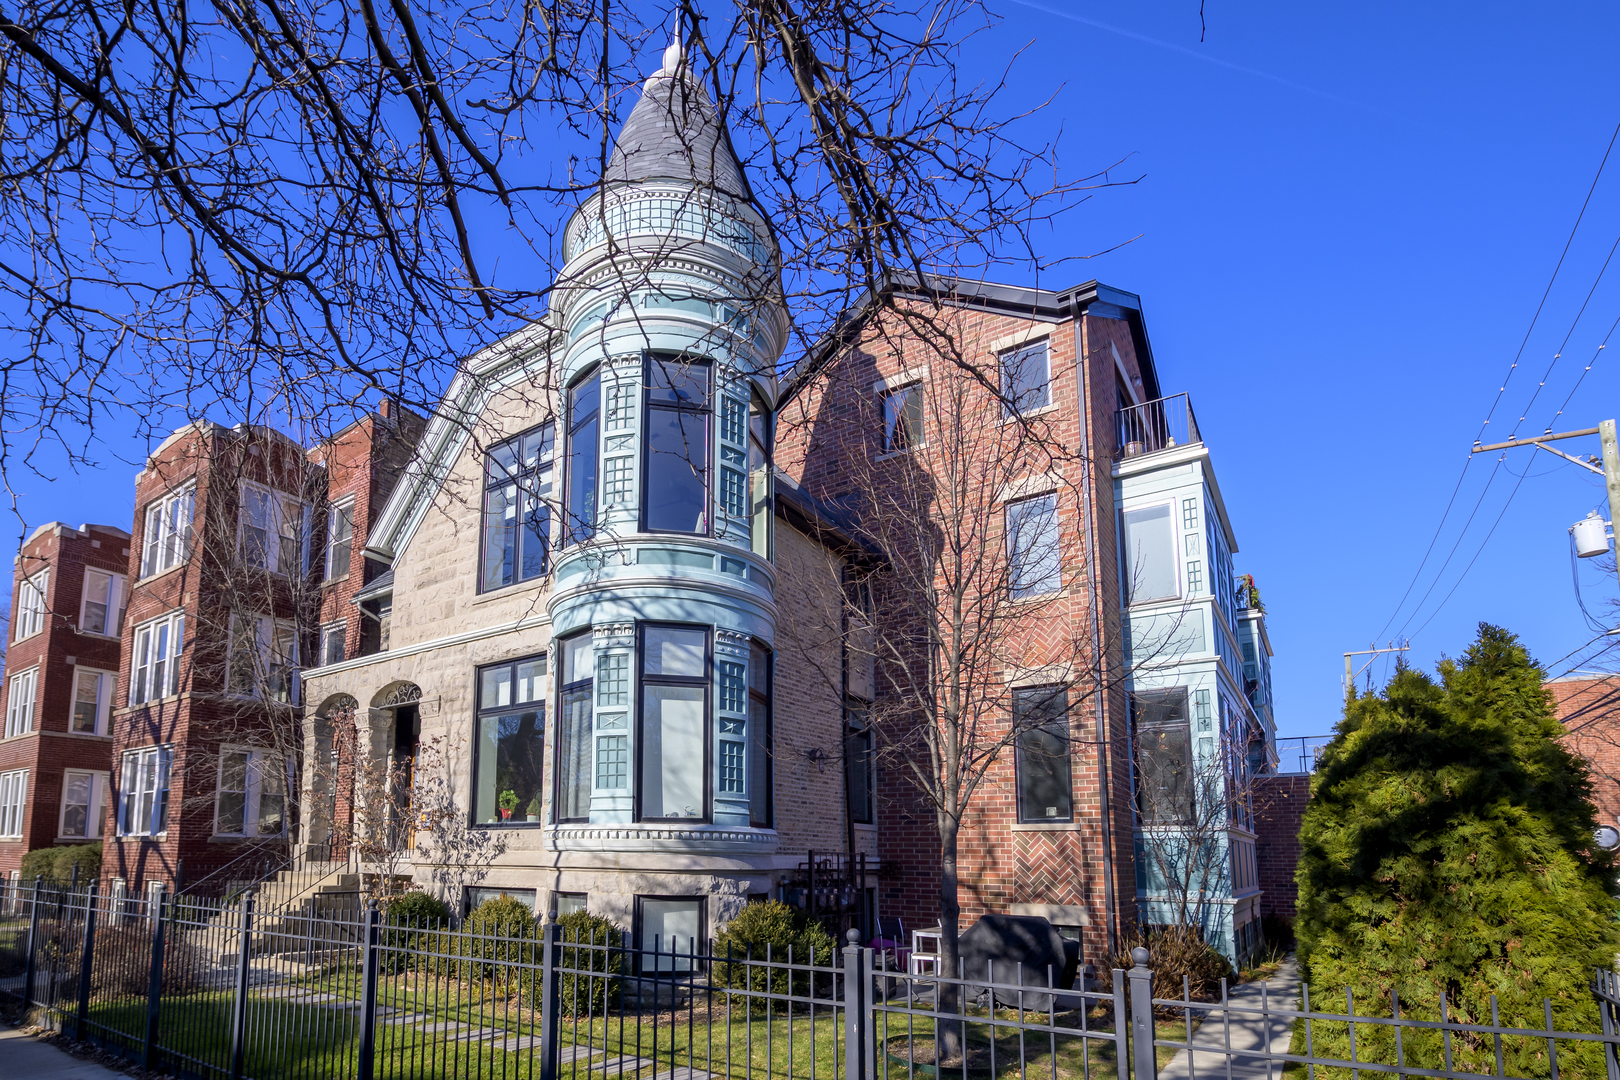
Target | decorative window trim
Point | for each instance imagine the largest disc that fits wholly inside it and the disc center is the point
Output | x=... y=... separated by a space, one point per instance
x=22 y=694
x=1028 y=335
x=901 y=379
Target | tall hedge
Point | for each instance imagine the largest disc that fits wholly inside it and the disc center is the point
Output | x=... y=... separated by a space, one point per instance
x=1447 y=850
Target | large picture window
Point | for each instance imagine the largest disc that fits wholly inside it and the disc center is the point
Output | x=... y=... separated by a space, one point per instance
x=584 y=457
x=1150 y=555
x=167 y=535
x=675 y=493
x=1045 y=780
x=517 y=511
x=143 y=791
x=31 y=605
x=576 y=656
x=102 y=609
x=509 y=772
x=156 y=671
x=252 y=793
x=759 y=737
x=673 y=746
x=1034 y=567
x=1164 y=764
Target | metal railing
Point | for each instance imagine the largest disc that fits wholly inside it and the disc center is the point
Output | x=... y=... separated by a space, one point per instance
x=1163 y=424
x=1297 y=756
x=164 y=985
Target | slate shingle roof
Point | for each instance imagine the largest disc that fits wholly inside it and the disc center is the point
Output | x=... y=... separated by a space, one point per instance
x=674 y=133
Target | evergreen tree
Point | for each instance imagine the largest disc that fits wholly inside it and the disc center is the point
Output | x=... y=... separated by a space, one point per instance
x=1447 y=851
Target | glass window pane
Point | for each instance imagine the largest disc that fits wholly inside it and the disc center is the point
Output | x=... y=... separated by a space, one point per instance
x=538 y=446
x=577 y=658
x=510 y=760
x=1032 y=547
x=496 y=691
x=1150 y=555
x=1044 y=786
x=76 y=804
x=672 y=757
x=97 y=587
x=759 y=764
x=86 y=697
x=1025 y=378
x=502 y=463
x=583 y=463
x=678 y=381
x=574 y=756
x=531 y=681
x=500 y=536
x=673 y=651
x=567 y=903
x=677 y=483
x=670 y=933
x=536 y=535
x=858 y=769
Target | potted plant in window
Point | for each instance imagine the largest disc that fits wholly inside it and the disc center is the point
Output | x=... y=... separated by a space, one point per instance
x=534 y=808
x=508 y=803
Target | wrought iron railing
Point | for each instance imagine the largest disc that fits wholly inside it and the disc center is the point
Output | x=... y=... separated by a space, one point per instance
x=1154 y=426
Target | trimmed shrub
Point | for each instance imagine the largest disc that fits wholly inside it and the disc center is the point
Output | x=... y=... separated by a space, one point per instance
x=783 y=932
x=590 y=995
x=1446 y=854
x=55 y=865
x=407 y=937
x=498 y=943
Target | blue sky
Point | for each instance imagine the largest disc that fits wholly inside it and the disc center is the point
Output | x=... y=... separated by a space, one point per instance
x=1347 y=218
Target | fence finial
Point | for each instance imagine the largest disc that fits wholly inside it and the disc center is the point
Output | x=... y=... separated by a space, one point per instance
x=1140 y=956
x=853 y=936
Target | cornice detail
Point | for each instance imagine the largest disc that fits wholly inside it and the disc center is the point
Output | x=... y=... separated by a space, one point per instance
x=715 y=839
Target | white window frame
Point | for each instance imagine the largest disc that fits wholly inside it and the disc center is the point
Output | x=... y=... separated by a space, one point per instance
x=341 y=510
x=166 y=541
x=287 y=523
x=31 y=610
x=142 y=686
x=117 y=596
x=266 y=659
x=133 y=818
x=13 y=802
x=341 y=629
x=258 y=761
x=21 y=691
x=106 y=687
x=95 y=811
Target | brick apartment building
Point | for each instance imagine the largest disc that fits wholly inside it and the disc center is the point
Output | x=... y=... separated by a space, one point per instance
x=1589 y=708
x=69 y=590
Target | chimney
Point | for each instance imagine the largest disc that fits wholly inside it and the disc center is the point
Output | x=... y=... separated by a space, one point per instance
x=383 y=408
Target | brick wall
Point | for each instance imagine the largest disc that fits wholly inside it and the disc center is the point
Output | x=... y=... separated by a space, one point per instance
x=1279 y=808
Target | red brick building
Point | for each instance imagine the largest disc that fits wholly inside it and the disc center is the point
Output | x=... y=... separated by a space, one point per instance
x=69 y=590
x=1589 y=708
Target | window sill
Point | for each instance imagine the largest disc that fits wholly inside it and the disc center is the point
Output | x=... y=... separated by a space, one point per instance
x=156 y=574
x=1044 y=598
x=97 y=634
x=29 y=637
x=19 y=735
x=330 y=582
x=888 y=454
x=61 y=838
x=83 y=734
x=237 y=838
x=1048 y=826
x=537 y=583
x=1033 y=414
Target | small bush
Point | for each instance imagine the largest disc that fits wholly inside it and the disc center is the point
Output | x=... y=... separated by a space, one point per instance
x=590 y=995
x=406 y=939
x=55 y=865
x=498 y=943
x=123 y=967
x=785 y=933
x=1180 y=959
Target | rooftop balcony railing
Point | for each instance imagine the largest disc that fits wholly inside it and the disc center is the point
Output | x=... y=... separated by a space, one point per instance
x=1297 y=756
x=1154 y=426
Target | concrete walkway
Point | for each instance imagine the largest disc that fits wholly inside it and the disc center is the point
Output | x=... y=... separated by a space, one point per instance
x=1248 y=1031
x=25 y=1056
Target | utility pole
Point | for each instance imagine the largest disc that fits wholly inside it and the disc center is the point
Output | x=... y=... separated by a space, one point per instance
x=1611 y=457
x=1372 y=654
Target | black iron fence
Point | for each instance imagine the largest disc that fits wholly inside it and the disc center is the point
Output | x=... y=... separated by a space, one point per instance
x=210 y=989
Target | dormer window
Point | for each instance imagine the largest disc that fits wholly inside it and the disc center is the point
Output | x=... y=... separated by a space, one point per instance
x=675 y=495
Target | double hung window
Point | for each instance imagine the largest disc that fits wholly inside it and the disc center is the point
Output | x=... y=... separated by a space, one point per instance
x=1150 y=559
x=275 y=531
x=517 y=509
x=584 y=457
x=13 y=797
x=577 y=656
x=1026 y=378
x=264 y=658
x=102 y=610
x=673 y=746
x=903 y=418
x=675 y=489
x=339 y=539
x=84 y=796
x=509 y=768
x=92 y=700
x=31 y=605
x=1045 y=780
x=20 y=693
x=1164 y=763
x=143 y=791
x=156 y=671
x=167 y=535
x=333 y=636
x=252 y=793
x=1034 y=567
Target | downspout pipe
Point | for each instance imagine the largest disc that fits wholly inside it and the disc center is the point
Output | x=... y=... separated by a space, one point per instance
x=1083 y=370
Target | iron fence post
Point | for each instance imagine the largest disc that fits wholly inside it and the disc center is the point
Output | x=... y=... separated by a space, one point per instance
x=1144 y=1061
x=855 y=1005
x=368 y=996
x=33 y=943
x=550 y=1006
x=154 y=985
x=239 y=1006
x=86 y=959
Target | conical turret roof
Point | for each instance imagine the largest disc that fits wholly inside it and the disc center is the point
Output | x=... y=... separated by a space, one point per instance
x=674 y=133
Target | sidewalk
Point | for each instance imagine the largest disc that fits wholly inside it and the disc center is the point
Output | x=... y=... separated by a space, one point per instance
x=1247 y=1033
x=24 y=1056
